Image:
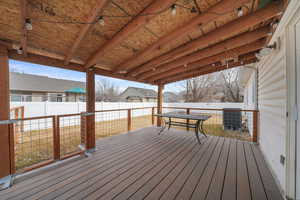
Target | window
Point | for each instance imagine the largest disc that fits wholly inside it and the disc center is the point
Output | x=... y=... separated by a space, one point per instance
x=59 y=98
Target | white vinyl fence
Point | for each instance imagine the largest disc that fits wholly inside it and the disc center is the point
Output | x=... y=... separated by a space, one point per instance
x=36 y=109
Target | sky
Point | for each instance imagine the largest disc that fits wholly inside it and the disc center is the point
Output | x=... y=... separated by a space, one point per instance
x=53 y=72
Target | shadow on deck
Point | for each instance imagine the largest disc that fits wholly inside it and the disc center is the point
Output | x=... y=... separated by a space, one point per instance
x=144 y=165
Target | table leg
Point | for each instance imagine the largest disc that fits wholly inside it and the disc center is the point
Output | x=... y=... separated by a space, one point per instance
x=197 y=132
x=163 y=127
x=169 y=123
x=201 y=128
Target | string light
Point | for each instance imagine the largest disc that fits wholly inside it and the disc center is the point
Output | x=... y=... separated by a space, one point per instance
x=240 y=12
x=20 y=50
x=275 y=24
x=101 y=21
x=173 y=9
x=28 y=24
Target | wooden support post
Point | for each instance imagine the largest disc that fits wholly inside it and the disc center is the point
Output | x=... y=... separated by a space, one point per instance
x=159 y=103
x=188 y=111
x=255 y=126
x=56 y=137
x=129 y=120
x=153 y=112
x=90 y=109
x=22 y=117
x=5 y=138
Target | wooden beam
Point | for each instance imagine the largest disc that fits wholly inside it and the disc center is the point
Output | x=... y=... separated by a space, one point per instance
x=159 y=103
x=226 y=31
x=42 y=60
x=23 y=16
x=135 y=24
x=221 y=47
x=208 y=69
x=230 y=53
x=90 y=108
x=203 y=18
x=95 y=13
x=5 y=165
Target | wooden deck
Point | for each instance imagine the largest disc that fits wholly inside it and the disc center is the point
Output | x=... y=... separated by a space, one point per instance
x=144 y=165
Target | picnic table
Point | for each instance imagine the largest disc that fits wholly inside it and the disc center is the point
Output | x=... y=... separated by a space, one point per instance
x=197 y=124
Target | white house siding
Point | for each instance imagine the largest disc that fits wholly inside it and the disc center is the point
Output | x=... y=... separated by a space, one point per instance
x=272 y=98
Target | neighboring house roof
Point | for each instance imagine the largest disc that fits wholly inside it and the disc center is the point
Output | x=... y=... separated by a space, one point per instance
x=76 y=90
x=138 y=92
x=29 y=82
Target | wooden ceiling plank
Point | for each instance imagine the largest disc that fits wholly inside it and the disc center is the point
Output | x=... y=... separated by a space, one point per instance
x=23 y=16
x=95 y=13
x=221 y=47
x=135 y=24
x=220 y=7
x=209 y=69
x=227 y=30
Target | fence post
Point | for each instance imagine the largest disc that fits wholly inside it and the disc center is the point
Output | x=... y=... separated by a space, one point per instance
x=188 y=111
x=12 y=149
x=129 y=120
x=255 y=126
x=56 y=137
x=153 y=111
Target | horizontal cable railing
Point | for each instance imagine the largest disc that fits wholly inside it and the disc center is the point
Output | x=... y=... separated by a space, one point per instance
x=38 y=141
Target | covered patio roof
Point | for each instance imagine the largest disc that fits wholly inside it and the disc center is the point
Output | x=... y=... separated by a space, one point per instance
x=149 y=41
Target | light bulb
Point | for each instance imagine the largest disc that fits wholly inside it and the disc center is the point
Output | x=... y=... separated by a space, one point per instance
x=173 y=10
x=101 y=21
x=28 y=24
x=240 y=12
x=20 y=50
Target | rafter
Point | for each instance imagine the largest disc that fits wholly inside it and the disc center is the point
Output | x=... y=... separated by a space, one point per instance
x=221 y=47
x=209 y=69
x=95 y=13
x=232 y=51
x=131 y=27
x=213 y=60
x=221 y=7
x=226 y=31
x=23 y=16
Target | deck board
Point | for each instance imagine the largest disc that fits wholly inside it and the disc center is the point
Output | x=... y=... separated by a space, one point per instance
x=144 y=165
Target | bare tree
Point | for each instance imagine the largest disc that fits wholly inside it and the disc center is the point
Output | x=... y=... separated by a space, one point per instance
x=196 y=89
x=107 y=91
x=232 y=89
